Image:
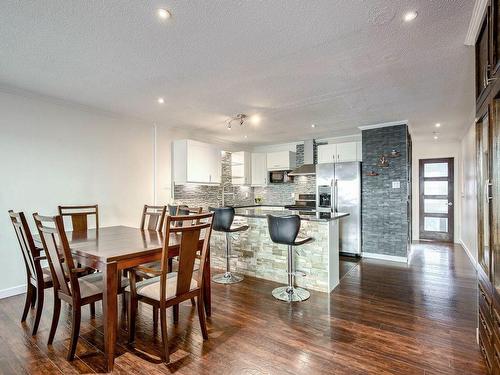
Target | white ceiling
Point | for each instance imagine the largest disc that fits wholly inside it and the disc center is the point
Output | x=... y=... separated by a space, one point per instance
x=336 y=63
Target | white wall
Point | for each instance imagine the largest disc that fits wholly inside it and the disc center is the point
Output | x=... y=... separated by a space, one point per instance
x=469 y=193
x=53 y=153
x=431 y=150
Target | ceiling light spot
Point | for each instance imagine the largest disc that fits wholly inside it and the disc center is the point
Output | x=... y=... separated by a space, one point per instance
x=245 y=136
x=436 y=137
x=438 y=125
x=161 y=100
x=255 y=119
x=410 y=16
x=163 y=14
x=313 y=125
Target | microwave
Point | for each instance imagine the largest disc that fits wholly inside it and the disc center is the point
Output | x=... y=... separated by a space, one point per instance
x=279 y=177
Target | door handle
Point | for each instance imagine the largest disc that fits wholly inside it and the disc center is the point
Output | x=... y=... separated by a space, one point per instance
x=450 y=204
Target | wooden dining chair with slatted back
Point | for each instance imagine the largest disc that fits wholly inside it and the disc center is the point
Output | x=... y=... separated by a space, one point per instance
x=153 y=217
x=169 y=289
x=79 y=216
x=38 y=277
x=76 y=291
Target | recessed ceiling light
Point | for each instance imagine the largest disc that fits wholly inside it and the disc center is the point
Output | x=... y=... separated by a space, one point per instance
x=161 y=100
x=438 y=125
x=163 y=14
x=410 y=16
x=255 y=119
x=245 y=136
x=313 y=125
x=436 y=137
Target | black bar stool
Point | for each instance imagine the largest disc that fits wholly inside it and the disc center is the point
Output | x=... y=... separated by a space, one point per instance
x=222 y=221
x=284 y=230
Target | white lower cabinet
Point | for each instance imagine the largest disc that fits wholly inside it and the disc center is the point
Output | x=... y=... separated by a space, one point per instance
x=196 y=162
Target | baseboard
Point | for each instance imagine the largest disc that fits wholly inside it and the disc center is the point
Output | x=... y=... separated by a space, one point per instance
x=391 y=258
x=14 y=291
x=467 y=251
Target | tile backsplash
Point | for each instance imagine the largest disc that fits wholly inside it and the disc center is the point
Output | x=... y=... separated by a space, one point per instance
x=273 y=194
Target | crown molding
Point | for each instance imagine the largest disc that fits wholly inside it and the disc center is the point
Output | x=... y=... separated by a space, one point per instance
x=475 y=22
x=383 y=125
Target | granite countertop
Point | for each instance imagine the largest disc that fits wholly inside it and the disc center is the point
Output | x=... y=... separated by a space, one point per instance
x=261 y=211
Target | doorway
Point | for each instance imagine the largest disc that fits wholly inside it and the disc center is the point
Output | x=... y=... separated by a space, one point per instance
x=436 y=178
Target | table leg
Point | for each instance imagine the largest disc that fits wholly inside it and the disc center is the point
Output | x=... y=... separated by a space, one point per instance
x=207 y=288
x=109 y=304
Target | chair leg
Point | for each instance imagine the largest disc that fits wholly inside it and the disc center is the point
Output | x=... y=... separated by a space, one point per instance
x=92 y=309
x=33 y=297
x=27 y=303
x=39 y=308
x=164 y=336
x=132 y=314
x=124 y=303
x=155 y=318
x=176 y=313
x=201 y=316
x=193 y=301
x=55 y=319
x=75 y=331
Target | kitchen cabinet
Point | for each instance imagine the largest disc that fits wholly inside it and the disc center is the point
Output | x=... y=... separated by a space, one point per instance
x=339 y=152
x=281 y=161
x=482 y=58
x=359 y=151
x=196 y=162
x=259 y=169
x=241 y=169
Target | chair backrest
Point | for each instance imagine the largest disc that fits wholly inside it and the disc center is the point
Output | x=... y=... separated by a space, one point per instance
x=223 y=218
x=79 y=215
x=28 y=248
x=283 y=229
x=183 y=210
x=56 y=246
x=154 y=215
x=188 y=237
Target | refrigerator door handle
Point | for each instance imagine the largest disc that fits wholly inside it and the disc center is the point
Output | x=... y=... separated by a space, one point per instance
x=335 y=196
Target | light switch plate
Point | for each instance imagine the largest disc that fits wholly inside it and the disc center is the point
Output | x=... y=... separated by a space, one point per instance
x=396 y=184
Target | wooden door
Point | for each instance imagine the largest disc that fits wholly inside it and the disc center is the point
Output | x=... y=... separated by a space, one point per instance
x=436 y=178
x=495 y=36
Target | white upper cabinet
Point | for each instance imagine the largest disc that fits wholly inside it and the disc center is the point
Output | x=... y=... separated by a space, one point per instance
x=281 y=161
x=327 y=153
x=259 y=169
x=241 y=169
x=339 y=152
x=196 y=162
x=359 y=150
x=346 y=151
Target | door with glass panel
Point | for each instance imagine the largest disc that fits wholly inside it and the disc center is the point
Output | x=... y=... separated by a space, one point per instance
x=436 y=199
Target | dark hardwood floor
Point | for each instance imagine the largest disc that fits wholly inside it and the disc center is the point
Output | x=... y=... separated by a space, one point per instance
x=383 y=318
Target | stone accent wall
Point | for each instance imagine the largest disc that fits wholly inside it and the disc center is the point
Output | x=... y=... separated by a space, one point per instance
x=385 y=226
x=211 y=195
x=258 y=256
x=281 y=194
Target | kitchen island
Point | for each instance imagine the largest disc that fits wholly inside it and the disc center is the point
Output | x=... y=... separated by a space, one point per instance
x=258 y=256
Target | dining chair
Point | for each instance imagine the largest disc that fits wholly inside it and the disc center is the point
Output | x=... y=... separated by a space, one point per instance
x=79 y=215
x=154 y=216
x=169 y=289
x=38 y=277
x=68 y=287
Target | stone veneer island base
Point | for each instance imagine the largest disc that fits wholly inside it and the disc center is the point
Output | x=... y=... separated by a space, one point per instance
x=259 y=257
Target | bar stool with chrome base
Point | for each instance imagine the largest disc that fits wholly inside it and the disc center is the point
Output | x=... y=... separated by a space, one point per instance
x=223 y=219
x=284 y=230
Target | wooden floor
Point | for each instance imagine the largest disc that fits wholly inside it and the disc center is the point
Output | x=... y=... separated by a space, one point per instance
x=383 y=318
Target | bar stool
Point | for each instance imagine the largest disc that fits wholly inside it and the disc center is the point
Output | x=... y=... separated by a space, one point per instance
x=223 y=219
x=283 y=230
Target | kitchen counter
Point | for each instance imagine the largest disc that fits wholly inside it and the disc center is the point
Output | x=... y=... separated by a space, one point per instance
x=259 y=257
x=263 y=211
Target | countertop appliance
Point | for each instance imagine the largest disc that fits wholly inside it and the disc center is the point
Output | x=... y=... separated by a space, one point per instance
x=338 y=189
x=306 y=202
x=279 y=177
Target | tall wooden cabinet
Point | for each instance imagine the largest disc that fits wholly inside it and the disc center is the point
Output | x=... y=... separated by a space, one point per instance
x=488 y=184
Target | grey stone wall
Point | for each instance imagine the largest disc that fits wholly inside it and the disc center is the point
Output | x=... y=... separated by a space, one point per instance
x=211 y=195
x=258 y=256
x=385 y=224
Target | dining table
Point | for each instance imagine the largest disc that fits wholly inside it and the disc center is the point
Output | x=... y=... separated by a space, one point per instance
x=113 y=249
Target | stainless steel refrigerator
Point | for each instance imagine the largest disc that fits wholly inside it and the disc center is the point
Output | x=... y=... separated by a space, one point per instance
x=338 y=189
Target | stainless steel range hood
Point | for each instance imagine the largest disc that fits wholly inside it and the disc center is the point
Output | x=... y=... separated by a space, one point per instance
x=308 y=168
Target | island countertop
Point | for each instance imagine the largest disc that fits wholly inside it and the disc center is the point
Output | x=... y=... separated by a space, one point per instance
x=263 y=211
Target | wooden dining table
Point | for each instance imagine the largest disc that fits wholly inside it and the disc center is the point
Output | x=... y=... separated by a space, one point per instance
x=113 y=249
